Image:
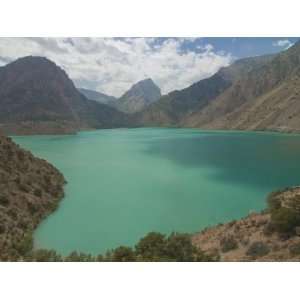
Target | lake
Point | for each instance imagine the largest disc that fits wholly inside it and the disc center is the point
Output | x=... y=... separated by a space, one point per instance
x=124 y=183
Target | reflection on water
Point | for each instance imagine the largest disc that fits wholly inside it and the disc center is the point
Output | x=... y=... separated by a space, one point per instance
x=270 y=160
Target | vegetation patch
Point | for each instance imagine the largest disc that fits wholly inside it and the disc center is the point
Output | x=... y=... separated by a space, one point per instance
x=228 y=243
x=258 y=249
x=176 y=247
x=284 y=217
x=295 y=249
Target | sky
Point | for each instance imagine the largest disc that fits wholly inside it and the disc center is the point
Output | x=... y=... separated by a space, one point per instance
x=113 y=65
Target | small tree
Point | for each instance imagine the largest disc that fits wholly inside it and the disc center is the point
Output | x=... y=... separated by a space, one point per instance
x=123 y=253
x=151 y=247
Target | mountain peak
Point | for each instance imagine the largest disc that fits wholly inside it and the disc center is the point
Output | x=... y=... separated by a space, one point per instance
x=140 y=95
x=33 y=60
x=144 y=83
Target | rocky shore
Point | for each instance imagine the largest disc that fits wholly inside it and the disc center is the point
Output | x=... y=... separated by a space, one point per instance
x=255 y=237
x=30 y=189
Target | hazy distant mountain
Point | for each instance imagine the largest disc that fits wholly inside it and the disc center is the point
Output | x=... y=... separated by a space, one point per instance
x=97 y=96
x=172 y=108
x=37 y=96
x=139 y=96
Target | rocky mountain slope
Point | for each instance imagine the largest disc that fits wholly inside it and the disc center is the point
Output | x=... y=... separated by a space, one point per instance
x=97 y=96
x=37 y=96
x=266 y=98
x=173 y=108
x=273 y=235
x=30 y=189
x=139 y=96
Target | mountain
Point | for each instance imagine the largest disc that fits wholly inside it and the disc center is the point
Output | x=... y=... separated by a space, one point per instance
x=37 y=96
x=171 y=109
x=97 y=96
x=265 y=98
x=139 y=96
x=30 y=189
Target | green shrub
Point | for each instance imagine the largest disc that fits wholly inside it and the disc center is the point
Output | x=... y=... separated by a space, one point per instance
x=26 y=244
x=284 y=220
x=38 y=193
x=258 y=249
x=179 y=247
x=4 y=200
x=2 y=228
x=228 y=243
x=43 y=255
x=295 y=249
x=123 y=253
x=151 y=246
x=176 y=247
x=273 y=201
x=79 y=257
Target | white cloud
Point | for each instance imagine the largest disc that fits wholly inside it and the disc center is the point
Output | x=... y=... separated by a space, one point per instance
x=283 y=44
x=112 y=65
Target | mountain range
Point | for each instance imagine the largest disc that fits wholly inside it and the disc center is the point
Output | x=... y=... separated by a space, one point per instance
x=137 y=98
x=256 y=93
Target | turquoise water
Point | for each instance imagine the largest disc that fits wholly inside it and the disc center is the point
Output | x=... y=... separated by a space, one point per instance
x=124 y=183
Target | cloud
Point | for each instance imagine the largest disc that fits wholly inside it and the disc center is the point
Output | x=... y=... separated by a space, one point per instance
x=283 y=44
x=112 y=65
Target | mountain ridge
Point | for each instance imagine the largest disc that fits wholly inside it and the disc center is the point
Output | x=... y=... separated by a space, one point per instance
x=266 y=99
x=37 y=96
x=170 y=109
x=97 y=96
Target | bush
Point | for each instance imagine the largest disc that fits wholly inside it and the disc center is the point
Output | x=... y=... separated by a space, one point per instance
x=258 y=249
x=38 y=193
x=123 y=253
x=284 y=220
x=228 y=243
x=79 y=257
x=295 y=249
x=26 y=244
x=43 y=255
x=179 y=248
x=151 y=246
x=4 y=200
x=2 y=228
x=273 y=201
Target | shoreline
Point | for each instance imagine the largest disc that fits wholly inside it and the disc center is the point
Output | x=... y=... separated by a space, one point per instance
x=218 y=131
x=274 y=131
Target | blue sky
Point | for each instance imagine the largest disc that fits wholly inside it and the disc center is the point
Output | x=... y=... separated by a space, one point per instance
x=241 y=47
x=245 y=47
x=113 y=65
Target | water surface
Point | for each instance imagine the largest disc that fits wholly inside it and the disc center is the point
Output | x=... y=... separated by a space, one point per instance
x=123 y=183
